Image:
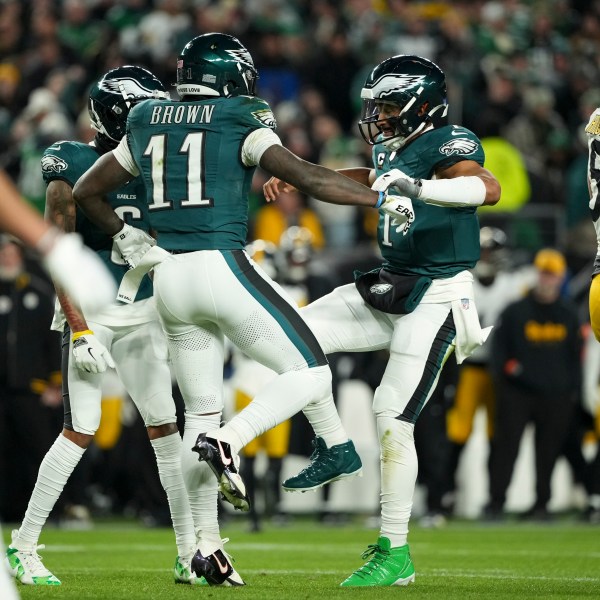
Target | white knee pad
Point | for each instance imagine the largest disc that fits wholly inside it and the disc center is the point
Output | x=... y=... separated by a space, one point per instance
x=387 y=402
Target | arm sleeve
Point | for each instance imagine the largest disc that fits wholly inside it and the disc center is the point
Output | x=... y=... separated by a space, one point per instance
x=124 y=157
x=255 y=145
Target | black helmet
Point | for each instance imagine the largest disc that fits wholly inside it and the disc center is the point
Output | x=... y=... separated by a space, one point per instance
x=495 y=255
x=112 y=97
x=416 y=85
x=216 y=64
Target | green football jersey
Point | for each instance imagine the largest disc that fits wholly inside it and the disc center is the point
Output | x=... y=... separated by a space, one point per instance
x=189 y=155
x=68 y=161
x=441 y=241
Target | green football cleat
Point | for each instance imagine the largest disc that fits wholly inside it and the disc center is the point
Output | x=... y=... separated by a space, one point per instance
x=326 y=465
x=27 y=566
x=182 y=573
x=386 y=566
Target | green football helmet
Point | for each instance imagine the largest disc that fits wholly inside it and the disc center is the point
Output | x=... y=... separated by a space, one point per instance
x=216 y=64
x=416 y=86
x=112 y=97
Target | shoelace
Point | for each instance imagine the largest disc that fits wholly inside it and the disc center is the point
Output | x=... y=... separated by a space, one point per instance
x=33 y=561
x=318 y=453
x=377 y=557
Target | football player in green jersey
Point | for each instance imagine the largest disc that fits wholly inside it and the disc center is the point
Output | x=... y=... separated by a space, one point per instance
x=197 y=158
x=125 y=336
x=419 y=304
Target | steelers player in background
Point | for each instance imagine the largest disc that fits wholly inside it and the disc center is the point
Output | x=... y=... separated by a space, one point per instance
x=125 y=336
x=593 y=176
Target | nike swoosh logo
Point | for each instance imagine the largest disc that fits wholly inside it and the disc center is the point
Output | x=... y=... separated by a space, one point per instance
x=226 y=461
x=223 y=568
x=54 y=148
x=90 y=353
x=458 y=133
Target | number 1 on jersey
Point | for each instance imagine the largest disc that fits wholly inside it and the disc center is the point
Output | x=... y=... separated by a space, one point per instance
x=193 y=146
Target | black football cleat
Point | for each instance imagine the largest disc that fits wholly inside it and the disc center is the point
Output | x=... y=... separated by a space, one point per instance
x=216 y=568
x=224 y=464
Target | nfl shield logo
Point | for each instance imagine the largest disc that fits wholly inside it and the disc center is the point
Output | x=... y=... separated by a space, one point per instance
x=464 y=303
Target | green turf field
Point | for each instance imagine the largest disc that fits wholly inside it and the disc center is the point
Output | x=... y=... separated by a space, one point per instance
x=306 y=561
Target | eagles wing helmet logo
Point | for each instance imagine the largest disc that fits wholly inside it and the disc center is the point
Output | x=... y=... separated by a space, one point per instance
x=241 y=56
x=266 y=117
x=126 y=86
x=397 y=83
x=53 y=164
x=461 y=146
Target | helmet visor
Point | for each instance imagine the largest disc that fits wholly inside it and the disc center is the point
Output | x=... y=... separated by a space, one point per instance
x=380 y=121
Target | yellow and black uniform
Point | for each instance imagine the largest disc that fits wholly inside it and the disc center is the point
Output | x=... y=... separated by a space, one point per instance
x=593 y=174
x=536 y=360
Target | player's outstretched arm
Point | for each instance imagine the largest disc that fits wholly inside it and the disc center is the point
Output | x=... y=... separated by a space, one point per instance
x=77 y=268
x=17 y=217
x=465 y=183
x=314 y=180
x=274 y=186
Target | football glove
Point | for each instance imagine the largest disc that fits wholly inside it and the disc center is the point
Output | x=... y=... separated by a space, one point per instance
x=401 y=210
x=407 y=186
x=78 y=270
x=133 y=243
x=90 y=354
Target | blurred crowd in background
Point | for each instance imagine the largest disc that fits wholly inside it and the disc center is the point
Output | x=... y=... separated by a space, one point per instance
x=524 y=75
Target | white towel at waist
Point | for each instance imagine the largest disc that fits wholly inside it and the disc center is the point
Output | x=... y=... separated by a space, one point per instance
x=458 y=290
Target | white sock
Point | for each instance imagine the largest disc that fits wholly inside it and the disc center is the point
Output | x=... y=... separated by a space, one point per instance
x=56 y=468
x=201 y=484
x=279 y=400
x=325 y=420
x=398 y=477
x=168 y=460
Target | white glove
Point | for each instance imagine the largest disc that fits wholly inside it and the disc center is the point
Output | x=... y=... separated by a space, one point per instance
x=90 y=354
x=133 y=243
x=407 y=186
x=78 y=270
x=401 y=210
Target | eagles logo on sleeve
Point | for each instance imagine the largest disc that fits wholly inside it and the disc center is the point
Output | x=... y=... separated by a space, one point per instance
x=53 y=164
x=266 y=117
x=461 y=146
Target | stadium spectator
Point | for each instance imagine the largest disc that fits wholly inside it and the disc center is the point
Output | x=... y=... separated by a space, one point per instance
x=419 y=305
x=536 y=361
x=290 y=210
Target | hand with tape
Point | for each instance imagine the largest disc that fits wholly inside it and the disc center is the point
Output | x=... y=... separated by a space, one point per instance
x=133 y=244
x=400 y=209
x=89 y=353
x=407 y=186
